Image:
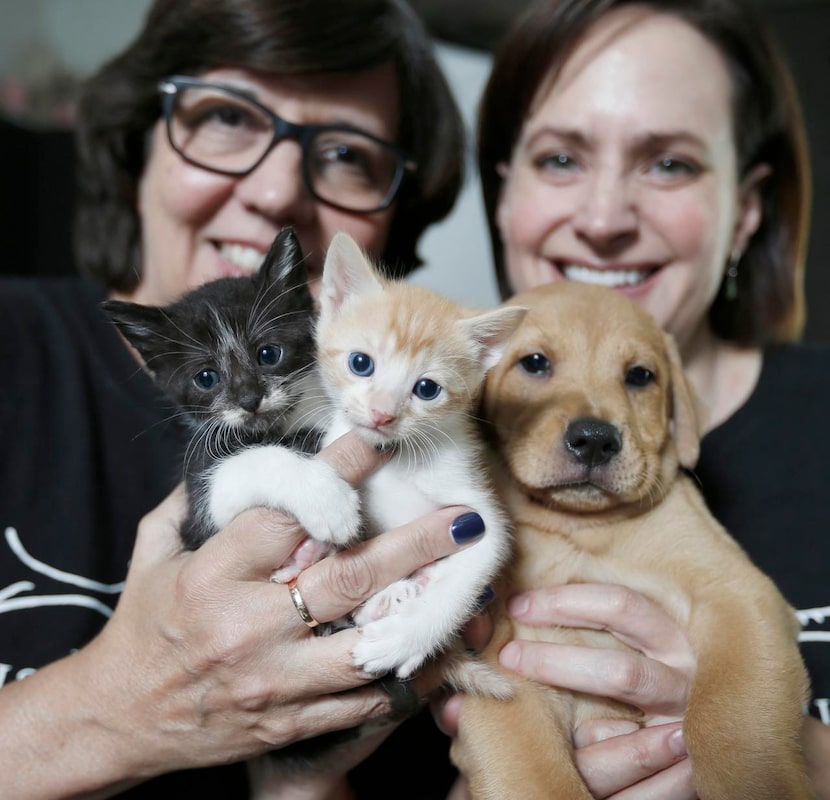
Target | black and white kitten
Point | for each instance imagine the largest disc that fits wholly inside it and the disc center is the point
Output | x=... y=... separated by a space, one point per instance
x=233 y=355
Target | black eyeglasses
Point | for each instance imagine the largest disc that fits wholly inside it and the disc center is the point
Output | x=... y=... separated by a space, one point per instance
x=224 y=130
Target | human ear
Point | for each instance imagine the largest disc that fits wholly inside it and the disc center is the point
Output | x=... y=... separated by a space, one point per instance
x=751 y=206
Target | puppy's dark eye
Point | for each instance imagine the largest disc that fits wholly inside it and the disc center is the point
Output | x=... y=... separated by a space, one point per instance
x=269 y=355
x=639 y=376
x=206 y=379
x=426 y=389
x=361 y=364
x=536 y=364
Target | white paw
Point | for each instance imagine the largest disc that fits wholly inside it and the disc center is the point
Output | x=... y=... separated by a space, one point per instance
x=330 y=511
x=387 y=601
x=387 y=645
x=310 y=491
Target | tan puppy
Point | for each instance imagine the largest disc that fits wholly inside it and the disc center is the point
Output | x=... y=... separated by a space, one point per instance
x=593 y=419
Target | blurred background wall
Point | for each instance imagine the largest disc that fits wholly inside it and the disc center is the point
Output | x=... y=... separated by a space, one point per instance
x=46 y=46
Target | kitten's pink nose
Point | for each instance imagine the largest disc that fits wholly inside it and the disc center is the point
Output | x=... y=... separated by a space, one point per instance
x=381 y=418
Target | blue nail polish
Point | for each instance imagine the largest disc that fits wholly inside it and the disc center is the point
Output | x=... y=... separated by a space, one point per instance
x=467 y=528
x=484 y=599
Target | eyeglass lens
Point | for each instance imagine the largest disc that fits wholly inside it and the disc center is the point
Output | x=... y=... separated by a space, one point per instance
x=225 y=132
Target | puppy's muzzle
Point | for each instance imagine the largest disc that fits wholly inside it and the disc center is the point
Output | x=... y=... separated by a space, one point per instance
x=592 y=442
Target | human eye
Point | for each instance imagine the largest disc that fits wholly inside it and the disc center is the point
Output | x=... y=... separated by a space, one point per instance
x=556 y=162
x=200 y=108
x=672 y=169
x=345 y=157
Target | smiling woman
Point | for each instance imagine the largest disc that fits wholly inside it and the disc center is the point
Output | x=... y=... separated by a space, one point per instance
x=202 y=662
x=657 y=147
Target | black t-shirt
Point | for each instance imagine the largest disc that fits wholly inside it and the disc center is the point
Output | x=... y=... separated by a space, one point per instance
x=88 y=446
x=765 y=474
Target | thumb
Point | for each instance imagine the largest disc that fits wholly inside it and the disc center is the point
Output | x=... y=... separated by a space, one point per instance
x=158 y=537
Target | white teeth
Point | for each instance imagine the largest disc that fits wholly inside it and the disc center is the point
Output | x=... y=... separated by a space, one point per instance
x=247 y=258
x=605 y=277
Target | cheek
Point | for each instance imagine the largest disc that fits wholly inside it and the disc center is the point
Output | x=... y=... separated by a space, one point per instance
x=526 y=211
x=188 y=197
x=175 y=202
x=698 y=225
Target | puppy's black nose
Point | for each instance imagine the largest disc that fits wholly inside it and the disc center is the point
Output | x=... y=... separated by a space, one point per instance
x=592 y=441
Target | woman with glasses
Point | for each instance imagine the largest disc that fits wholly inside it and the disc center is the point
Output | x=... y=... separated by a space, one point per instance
x=224 y=122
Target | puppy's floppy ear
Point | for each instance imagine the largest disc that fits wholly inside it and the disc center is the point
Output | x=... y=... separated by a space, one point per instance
x=687 y=411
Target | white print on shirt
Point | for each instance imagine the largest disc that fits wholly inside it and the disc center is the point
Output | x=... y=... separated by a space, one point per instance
x=11 y=601
x=14 y=598
x=816 y=616
x=8 y=601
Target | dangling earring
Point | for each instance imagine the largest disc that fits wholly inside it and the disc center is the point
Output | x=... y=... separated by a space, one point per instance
x=730 y=284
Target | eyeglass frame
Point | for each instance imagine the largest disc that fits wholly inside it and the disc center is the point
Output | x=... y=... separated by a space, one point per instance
x=283 y=129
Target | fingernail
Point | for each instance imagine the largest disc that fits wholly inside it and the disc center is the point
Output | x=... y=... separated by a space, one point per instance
x=484 y=599
x=509 y=655
x=518 y=606
x=467 y=528
x=677 y=744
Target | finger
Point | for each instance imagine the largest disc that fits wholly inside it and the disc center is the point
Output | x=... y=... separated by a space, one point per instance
x=252 y=545
x=598 y=730
x=260 y=539
x=621 y=675
x=615 y=764
x=446 y=711
x=158 y=537
x=352 y=457
x=628 y=615
x=327 y=712
x=478 y=630
x=337 y=585
x=674 y=783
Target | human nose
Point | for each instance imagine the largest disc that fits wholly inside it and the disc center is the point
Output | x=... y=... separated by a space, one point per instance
x=276 y=188
x=607 y=215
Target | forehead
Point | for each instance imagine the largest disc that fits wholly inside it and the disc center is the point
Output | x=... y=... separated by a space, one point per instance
x=369 y=99
x=640 y=69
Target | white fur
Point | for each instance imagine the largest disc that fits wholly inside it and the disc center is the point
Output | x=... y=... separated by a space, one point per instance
x=414 y=618
x=307 y=489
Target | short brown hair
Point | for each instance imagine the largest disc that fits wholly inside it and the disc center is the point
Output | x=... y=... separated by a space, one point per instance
x=120 y=104
x=767 y=123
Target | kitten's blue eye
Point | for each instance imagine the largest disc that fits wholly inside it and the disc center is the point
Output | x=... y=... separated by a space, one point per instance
x=269 y=355
x=426 y=389
x=536 y=364
x=361 y=364
x=206 y=379
x=639 y=376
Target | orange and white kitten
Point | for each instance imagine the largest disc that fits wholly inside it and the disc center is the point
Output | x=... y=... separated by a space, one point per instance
x=403 y=366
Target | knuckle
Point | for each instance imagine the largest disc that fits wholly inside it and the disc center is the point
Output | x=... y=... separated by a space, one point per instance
x=623 y=602
x=629 y=675
x=421 y=542
x=353 y=577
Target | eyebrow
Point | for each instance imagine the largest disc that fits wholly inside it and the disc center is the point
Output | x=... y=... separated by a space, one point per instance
x=655 y=140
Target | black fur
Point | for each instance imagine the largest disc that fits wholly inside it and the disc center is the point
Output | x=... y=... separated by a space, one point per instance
x=222 y=327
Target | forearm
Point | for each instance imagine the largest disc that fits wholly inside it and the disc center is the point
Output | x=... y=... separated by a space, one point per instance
x=54 y=742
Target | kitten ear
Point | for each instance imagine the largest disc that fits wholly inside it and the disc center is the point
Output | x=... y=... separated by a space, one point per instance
x=490 y=332
x=284 y=263
x=346 y=272
x=142 y=326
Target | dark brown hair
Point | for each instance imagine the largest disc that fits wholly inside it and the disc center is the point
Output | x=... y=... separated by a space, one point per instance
x=120 y=104
x=767 y=123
